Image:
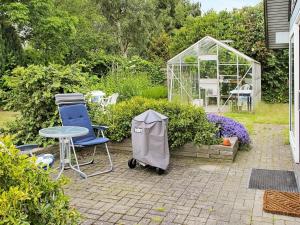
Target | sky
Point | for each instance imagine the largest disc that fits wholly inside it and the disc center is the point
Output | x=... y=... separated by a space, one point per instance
x=219 y=5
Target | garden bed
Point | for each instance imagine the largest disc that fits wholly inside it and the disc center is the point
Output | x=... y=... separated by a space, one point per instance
x=211 y=152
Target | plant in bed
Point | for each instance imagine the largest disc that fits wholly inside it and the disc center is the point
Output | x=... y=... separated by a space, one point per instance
x=230 y=128
x=186 y=122
x=28 y=195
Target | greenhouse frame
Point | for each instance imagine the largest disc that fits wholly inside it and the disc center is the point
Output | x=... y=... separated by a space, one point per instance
x=212 y=74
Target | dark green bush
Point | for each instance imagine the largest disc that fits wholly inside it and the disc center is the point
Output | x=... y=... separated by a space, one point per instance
x=156 y=92
x=31 y=92
x=27 y=193
x=186 y=123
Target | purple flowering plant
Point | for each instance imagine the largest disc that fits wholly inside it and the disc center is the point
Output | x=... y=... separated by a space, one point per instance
x=230 y=128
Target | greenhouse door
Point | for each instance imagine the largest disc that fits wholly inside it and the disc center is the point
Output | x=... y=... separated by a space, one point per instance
x=209 y=81
x=294 y=108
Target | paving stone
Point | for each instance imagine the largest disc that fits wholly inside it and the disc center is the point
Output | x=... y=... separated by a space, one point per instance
x=193 y=191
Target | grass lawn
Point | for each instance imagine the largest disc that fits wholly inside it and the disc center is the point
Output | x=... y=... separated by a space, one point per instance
x=6 y=116
x=264 y=114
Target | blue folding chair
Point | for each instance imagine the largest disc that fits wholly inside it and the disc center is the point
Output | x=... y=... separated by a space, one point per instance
x=73 y=112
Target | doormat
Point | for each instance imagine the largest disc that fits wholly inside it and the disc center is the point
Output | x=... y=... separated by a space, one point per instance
x=279 y=180
x=283 y=203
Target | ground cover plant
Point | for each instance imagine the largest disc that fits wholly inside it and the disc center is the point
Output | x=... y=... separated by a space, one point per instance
x=186 y=123
x=28 y=195
x=230 y=128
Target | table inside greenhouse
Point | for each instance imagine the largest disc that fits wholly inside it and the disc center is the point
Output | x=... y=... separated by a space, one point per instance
x=244 y=93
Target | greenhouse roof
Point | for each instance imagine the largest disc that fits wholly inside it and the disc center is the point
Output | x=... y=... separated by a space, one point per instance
x=205 y=44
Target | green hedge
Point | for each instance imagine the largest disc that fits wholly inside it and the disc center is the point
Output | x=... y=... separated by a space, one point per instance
x=186 y=123
x=28 y=195
x=31 y=92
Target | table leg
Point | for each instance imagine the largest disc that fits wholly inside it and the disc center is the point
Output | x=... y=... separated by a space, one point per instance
x=62 y=157
x=65 y=157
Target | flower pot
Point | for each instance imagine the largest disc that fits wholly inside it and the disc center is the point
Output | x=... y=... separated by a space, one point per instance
x=226 y=142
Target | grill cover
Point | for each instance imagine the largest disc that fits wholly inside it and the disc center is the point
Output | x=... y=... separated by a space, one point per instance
x=150 y=139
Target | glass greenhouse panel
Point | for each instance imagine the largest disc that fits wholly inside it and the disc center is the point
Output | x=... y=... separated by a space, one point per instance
x=212 y=74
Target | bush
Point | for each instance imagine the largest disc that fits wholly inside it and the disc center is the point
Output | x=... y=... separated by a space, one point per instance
x=156 y=92
x=186 y=123
x=32 y=91
x=231 y=128
x=27 y=193
x=103 y=65
x=124 y=83
x=138 y=65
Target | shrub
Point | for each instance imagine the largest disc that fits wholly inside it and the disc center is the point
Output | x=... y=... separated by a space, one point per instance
x=103 y=65
x=138 y=65
x=32 y=91
x=156 y=92
x=124 y=83
x=230 y=128
x=27 y=193
x=186 y=123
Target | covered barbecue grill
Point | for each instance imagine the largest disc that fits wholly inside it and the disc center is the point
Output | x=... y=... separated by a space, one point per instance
x=150 y=141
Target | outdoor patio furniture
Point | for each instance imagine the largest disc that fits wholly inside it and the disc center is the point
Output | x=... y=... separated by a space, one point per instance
x=110 y=100
x=65 y=135
x=243 y=95
x=73 y=112
x=96 y=96
x=30 y=149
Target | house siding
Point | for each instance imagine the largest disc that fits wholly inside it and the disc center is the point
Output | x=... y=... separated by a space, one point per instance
x=277 y=20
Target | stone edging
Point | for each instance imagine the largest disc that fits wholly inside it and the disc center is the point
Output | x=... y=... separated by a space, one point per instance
x=212 y=152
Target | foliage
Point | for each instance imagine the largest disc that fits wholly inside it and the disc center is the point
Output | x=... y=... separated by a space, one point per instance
x=28 y=195
x=102 y=65
x=138 y=65
x=156 y=92
x=92 y=29
x=124 y=83
x=275 y=78
x=132 y=22
x=186 y=123
x=230 y=128
x=32 y=94
x=38 y=25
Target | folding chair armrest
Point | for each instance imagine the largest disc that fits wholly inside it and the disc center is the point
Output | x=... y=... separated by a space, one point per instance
x=99 y=127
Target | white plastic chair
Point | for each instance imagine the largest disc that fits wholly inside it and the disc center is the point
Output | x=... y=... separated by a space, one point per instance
x=110 y=100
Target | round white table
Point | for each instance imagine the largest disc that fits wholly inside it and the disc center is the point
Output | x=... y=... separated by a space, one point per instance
x=65 y=135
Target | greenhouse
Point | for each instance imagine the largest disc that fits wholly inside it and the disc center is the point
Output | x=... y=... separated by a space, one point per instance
x=212 y=74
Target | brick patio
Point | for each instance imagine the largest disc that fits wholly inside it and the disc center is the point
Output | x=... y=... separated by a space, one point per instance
x=193 y=191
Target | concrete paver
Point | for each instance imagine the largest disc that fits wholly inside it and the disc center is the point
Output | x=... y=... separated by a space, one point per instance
x=192 y=191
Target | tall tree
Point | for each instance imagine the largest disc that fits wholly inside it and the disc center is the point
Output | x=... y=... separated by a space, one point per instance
x=92 y=30
x=132 y=23
x=37 y=26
